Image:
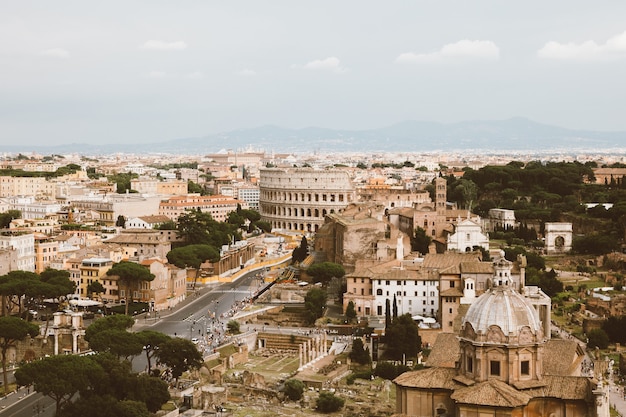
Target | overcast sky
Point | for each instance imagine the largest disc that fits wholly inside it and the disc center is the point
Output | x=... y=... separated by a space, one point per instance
x=123 y=71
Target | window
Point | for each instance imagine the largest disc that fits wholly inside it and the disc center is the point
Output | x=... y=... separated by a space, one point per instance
x=451 y=284
x=525 y=368
x=494 y=368
x=379 y=292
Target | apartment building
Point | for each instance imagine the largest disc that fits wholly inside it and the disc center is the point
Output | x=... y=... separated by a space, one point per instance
x=140 y=244
x=217 y=205
x=23 y=244
x=39 y=187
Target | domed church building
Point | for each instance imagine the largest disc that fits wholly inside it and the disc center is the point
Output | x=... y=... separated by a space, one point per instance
x=502 y=363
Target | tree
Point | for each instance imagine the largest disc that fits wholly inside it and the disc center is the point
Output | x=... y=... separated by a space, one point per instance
x=95 y=287
x=323 y=272
x=131 y=275
x=192 y=256
x=394 y=307
x=406 y=340
x=13 y=288
x=7 y=217
x=121 y=221
x=152 y=342
x=105 y=406
x=233 y=327
x=59 y=377
x=359 y=353
x=13 y=329
x=420 y=241
x=293 y=389
x=109 y=334
x=350 y=311
x=120 y=343
x=315 y=303
x=390 y=371
x=105 y=386
x=179 y=355
x=387 y=314
x=301 y=252
x=328 y=402
x=598 y=338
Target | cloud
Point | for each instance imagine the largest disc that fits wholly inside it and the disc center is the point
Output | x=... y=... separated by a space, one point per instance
x=331 y=64
x=164 y=46
x=462 y=49
x=56 y=53
x=613 y=48
x=246 y=72
x=156 y=74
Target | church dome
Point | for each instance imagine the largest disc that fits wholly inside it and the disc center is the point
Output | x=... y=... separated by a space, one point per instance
x=505 y=308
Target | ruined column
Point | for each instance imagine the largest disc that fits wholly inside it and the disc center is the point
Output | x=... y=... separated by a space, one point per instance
x=300 y=356
x=56 y=341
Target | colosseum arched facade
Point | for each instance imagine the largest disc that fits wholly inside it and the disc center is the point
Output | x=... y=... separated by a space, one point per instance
x=300 y=198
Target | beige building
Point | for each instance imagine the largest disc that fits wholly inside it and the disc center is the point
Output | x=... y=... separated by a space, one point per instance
x=38 y=187
x=168 y=288
x=217 y=205
x=155 y=186
x=95 y=269
x=141 y=244
x=46 y=249
x=300 y=198
x=8 y=260
x=23 y=243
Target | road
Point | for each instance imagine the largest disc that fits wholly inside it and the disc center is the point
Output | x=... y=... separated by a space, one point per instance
x=23 y=405
x=194 y=318
x=190 y=319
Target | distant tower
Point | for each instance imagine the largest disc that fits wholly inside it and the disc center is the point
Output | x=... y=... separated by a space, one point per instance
x=441 y=191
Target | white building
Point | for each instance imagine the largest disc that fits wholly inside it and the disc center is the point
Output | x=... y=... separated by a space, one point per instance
x=24 y=244
x=32 y=209
x=145 y=222
x=467 y=235
x=250 y=195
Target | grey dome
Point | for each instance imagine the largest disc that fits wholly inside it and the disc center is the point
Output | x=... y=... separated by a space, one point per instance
x=503 y=307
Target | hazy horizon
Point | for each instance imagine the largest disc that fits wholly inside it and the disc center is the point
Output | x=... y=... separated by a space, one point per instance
x=153 y=71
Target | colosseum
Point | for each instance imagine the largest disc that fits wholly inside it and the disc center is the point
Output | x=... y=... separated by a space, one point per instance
x=300 y=198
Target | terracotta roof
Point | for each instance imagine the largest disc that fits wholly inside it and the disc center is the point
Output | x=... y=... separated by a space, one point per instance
x=446 y=260
x=476 y=267
x=155 y=219
x=493 y=393
x=562 y=357
x=451 y=292
x=429 y=378
x=445 y=351
x=565 y=387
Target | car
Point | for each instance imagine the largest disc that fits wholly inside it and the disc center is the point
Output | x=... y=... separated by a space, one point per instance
x=195 y=341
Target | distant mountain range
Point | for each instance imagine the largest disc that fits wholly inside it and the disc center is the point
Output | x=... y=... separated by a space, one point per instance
x=409 y=136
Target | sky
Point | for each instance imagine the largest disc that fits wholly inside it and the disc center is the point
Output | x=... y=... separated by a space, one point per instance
x=155 y=70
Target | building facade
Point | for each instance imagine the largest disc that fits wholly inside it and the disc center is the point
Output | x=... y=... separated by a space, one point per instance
x=300 y=198
x=217 y=205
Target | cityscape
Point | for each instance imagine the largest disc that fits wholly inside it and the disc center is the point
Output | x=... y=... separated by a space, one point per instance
x=256 y=209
